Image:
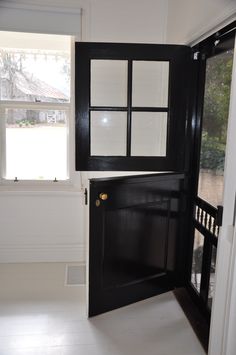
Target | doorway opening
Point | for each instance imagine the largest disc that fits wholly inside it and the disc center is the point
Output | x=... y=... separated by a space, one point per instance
x=181 y=206
x=213 y=99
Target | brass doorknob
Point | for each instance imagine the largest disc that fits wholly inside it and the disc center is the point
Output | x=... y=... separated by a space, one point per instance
x=103 y=196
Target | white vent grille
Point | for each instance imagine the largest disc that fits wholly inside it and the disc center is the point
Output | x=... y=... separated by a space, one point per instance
x=75 y=275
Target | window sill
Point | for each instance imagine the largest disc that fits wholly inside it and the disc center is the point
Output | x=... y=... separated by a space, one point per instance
x=28 y=187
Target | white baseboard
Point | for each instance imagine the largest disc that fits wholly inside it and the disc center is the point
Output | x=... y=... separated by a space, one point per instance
x=24 y=253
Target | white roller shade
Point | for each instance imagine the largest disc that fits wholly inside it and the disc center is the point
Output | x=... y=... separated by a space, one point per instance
x=40 y=19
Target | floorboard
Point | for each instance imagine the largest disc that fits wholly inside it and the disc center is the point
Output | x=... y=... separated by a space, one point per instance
x=39 y=315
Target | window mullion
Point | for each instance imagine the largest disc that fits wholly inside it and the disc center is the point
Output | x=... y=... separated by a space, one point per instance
x=129 y=116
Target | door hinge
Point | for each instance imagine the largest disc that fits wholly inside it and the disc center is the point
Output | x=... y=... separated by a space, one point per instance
x=234 y=211
x=196 y=55
x=86 y=196
x=219 y=216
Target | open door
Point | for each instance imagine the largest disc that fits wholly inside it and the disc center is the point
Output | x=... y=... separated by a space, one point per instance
x=216 y=56
x=131 y=115
x=131 y=106
x=135 y=238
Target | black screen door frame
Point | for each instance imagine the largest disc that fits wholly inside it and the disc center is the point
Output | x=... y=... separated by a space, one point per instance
x=180 y=61
x=200 y=210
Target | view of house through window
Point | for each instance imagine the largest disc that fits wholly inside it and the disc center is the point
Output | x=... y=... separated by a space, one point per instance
x=35 y=105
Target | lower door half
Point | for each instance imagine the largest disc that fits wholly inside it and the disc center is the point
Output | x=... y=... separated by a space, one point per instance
x=136 y=246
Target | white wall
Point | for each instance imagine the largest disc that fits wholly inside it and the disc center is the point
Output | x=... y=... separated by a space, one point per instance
x=128 y=21
x=188 y=20
x=49 y=225
x=42 y=226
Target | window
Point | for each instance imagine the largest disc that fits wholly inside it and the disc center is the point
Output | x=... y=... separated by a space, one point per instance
x=109 y=135
x=35 y=106
x=130 y=103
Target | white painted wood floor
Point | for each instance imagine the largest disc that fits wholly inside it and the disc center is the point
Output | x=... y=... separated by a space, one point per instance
x=40 y=316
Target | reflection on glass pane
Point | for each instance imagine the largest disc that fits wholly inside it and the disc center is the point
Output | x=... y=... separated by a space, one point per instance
x=36 y=68
x=150 y=84
x=197 y=260
x=212 y=276
x=214 y=129
x=109 y=82
x=36 y=144
x=149 y=134
x=108 y=133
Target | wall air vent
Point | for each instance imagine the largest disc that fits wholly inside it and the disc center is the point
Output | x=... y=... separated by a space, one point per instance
x=75 y=275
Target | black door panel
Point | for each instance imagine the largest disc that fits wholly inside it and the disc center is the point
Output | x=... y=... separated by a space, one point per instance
x=128 y=258
x=180 y=66
x=134 y=236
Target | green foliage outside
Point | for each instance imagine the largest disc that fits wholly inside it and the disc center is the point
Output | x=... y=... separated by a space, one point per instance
x=216 y=110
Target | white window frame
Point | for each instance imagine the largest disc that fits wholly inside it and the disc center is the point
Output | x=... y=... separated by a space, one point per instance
x=69 y=108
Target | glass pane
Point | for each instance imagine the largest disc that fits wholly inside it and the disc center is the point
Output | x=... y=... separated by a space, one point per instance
x=36 y=144
x=109 y=82
x=108 y=133
x=149 y=134
x=212 y=276
x=150 y=84
x=197 y=260
x=36 y=68
x=214 y=129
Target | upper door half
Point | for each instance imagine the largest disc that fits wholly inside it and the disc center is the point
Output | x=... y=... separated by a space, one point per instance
x=131 y=106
